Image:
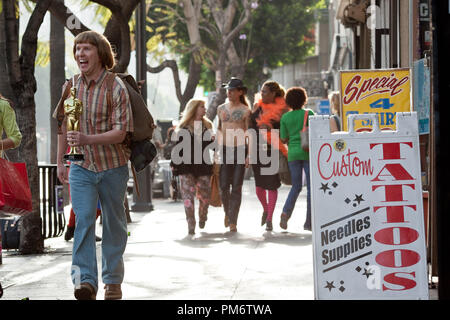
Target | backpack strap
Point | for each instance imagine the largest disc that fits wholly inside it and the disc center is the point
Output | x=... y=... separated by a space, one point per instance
x=110 y=78
x=136 y=183
x=305 y=119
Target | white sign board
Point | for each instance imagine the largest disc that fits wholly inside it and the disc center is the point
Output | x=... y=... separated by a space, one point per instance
x=367 y=211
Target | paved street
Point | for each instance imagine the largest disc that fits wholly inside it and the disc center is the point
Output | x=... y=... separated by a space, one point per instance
x=163 y=262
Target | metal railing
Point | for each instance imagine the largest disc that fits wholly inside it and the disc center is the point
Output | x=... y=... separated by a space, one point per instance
x=51 y=202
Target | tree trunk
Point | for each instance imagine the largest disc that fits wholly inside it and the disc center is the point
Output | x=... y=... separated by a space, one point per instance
x=224 y=18
x=218 y=99
x=5 y=86
x=220 y=78
x=193 y=79
x=113 y=30
x=192 y=82
x=23 y=84
x=32 y=240
x=57 y=75
x=191 y=12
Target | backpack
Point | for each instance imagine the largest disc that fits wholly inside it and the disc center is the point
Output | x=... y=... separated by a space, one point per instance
x=142 y=119
x=142 y=149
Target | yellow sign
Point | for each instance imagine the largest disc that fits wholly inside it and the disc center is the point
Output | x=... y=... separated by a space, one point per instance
x=384 y=92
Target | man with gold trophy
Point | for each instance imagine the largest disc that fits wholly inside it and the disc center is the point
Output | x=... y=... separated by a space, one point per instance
x=86 y=120
x=73 y=108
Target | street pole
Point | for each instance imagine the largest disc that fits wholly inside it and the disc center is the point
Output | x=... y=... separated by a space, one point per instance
x=441 y=101
x=142 y=202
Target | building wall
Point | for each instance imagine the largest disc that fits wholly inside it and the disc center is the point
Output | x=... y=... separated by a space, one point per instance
x=404 y=34
x=324 y=40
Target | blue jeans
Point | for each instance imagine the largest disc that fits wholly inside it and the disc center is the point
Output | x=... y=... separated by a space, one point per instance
x=86 y=187
x=296 y=168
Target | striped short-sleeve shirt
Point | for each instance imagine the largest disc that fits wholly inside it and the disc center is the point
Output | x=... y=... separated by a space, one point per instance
x=97 y=118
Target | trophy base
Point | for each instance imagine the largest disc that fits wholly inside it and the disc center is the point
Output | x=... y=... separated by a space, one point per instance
x=73 y=157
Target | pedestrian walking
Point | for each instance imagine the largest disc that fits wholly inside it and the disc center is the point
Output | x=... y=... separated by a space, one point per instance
x=234 y=117
x=168 y=145
x=298 y=159
x=103 y=174
x=266 y=116
x=195 y=176
x=8 y=125
x=158 y=142
x=167 y=151
x=335 y=119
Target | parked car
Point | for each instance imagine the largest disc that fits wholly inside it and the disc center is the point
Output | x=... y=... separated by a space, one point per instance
x=165 y=185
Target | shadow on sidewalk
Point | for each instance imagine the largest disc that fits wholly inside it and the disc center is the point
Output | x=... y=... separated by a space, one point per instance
x=289 y=238
x=202 y=239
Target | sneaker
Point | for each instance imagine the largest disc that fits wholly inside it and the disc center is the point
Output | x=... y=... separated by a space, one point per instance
x=263 y=218
x=283 y=221
x=97 y=238
x=233 y=227
x=113 y=292
x=269 y=226
x=69 y=233
x=85 y=292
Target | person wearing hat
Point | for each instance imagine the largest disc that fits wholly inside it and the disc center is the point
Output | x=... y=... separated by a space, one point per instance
x=234 y=117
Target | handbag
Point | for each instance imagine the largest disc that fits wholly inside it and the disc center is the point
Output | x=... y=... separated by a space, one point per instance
x=215 y=200
x=283 y=170
x=15 y=193
x=304 y=134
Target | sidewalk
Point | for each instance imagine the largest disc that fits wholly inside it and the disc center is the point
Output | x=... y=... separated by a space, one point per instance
x=163 y=262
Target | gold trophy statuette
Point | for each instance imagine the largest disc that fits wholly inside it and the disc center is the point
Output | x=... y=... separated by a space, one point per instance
x=73 y=107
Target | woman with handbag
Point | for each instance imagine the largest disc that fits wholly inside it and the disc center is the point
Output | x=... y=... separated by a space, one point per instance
x=292 y=123
x=266 y=115
x=9 y=125
x=15 y=193
x=195 y=176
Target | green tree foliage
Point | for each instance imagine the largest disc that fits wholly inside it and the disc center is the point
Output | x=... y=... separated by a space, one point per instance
x=279 y=32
